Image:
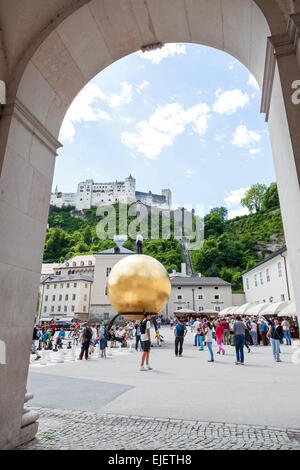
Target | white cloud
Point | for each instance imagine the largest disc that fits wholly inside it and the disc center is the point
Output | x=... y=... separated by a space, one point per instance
x=164 y=125
x=230 y=101
x=252 y=82
x=83 y=109
x=169 y=50
x=254 y=151
x=233 y=203
x=232 y=214
x=243 y=137
x=142 y=86
x=234 y=197
x=189 y=173
x=125 y=97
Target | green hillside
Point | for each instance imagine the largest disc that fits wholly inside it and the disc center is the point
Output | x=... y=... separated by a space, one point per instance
x=230 y=246
x=233 y=246
x=72 y=233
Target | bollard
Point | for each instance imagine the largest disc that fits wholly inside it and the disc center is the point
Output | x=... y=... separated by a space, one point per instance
x=61 y=358
x=109 y=353
x=130 y=347
x=73 y=354
x=69 y=346
x=44 y=358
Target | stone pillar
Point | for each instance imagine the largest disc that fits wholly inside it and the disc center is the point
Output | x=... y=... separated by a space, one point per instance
x=27 y=159
x=282 y=69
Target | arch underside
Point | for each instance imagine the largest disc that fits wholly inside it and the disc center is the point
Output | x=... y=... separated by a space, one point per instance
x=101 y=32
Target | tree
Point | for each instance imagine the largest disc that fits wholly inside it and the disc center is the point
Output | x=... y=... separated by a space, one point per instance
x=271 y=198
x=254 y=197
x=214 y=222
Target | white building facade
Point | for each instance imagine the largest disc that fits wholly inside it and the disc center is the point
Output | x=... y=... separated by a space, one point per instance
x=101 y=194
x=199 y=294
x=269 y=280
x=65 y=297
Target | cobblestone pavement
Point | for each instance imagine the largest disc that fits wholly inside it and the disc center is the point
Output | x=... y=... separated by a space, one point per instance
x=77 y=430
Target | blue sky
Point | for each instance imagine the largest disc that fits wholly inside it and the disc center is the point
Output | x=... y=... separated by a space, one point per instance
x=184 y=117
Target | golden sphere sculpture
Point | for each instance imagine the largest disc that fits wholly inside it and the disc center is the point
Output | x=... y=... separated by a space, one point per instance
x=138 y=284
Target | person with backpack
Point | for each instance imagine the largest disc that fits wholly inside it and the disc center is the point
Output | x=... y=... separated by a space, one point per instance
x=85 y=339
x=146 y=341
x=103 y=337
x=275 y=334
x=179 y=332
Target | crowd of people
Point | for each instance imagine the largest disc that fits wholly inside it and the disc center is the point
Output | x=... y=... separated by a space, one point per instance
x=238 y=332
x=235 y=331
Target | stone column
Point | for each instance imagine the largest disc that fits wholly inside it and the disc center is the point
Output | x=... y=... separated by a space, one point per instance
x=27 y=159
x=282 y=70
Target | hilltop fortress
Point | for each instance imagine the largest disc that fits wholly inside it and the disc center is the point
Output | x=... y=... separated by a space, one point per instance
x=101 y=194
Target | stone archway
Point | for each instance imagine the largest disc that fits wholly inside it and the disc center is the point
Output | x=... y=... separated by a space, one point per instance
x=62 y=56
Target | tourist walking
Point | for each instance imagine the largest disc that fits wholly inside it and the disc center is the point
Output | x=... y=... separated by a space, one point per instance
x=263 y=327
x=219 y=337
x=197 y=332
x=103 y=337
x=247 y=338
x=35 y=337
x=226 y=327
x=253 y=332
x=275 y=334
x=137 y=335
x=287 y=333
x=239 y=331
x=85 y=339
x=179 y=332
x=208 y=340
x=146 y=342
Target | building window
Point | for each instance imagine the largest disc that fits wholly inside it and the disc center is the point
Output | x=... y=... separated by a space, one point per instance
x=216 y=288
x=218 y=309
x=52 y=309
x=58 y=308
x=46 y=298
x=201 y=308
x=255 y=279
x=45 y=309
x=247 y=283
x=47 y=286
x=179 y=308
x=261 y=278
x=55 y=285
x=65 y=308
x=60 y=298
x=106 y=316
x=68 y=285
x=73 y=308
x=108 y=271
x=279 y=269
x=217 y=296
x=178 y=288
x=85 y=285
x=53 y=298
x=282 y=297
x=66 y=297
x=74 y=297
x=61 y=286
x=85 y=297
x=84 y=308
x=75 y=284
x=200 y=297
x=179 y=297
x=268 y=275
